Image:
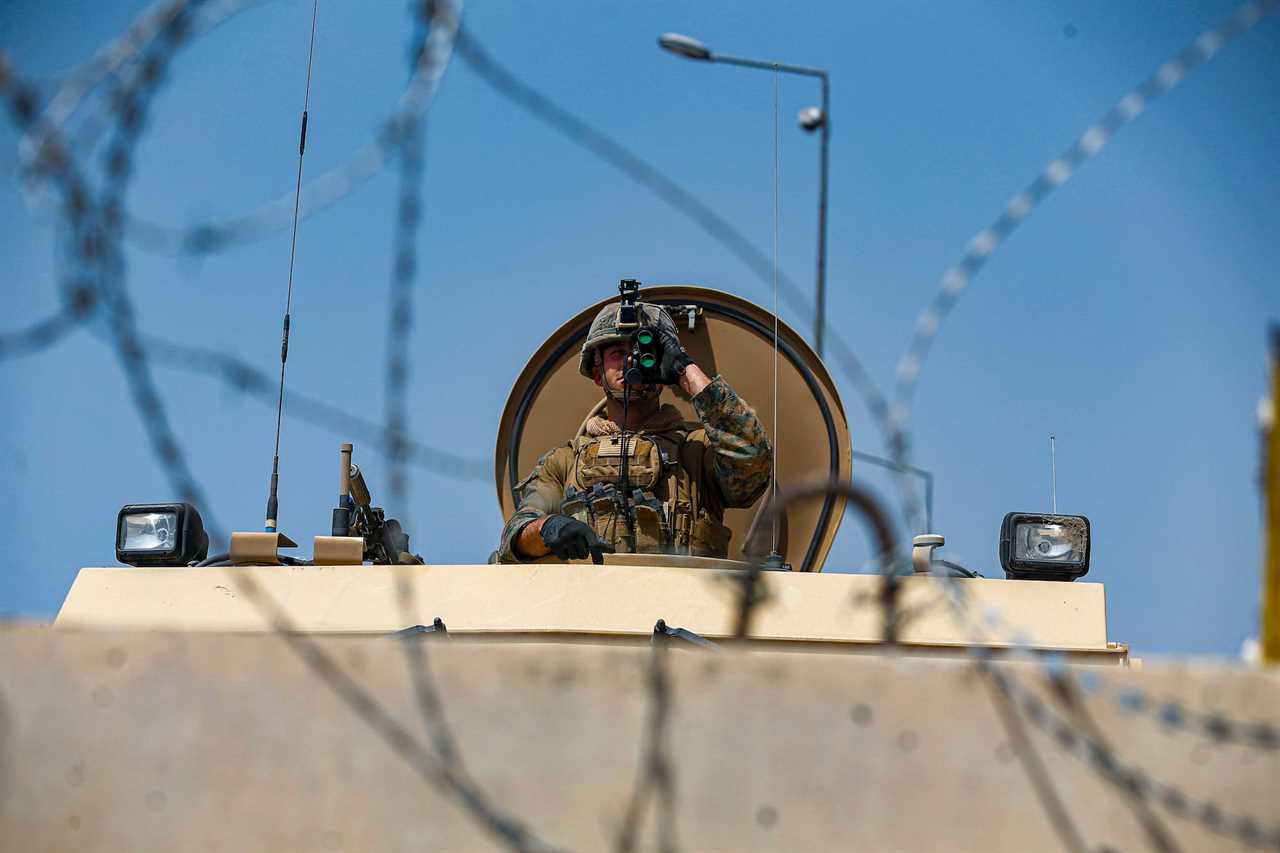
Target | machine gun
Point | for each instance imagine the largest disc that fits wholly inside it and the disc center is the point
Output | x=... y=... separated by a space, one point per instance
x=385 y=542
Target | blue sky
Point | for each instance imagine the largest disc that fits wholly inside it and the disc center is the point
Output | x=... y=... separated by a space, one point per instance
x=1128 y=315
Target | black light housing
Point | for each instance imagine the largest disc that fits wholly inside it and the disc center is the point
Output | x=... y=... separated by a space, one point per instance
x=690 y=48
x=169 y=534
x=1036 y=546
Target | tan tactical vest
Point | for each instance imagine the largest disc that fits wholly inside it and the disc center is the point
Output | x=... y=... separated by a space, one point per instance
x=673 y=513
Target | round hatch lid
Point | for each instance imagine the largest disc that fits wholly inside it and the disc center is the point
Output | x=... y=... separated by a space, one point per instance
x=724 y=334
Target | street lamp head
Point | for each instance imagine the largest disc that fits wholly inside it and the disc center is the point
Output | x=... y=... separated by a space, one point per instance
x=811 y=118
x=687 y=47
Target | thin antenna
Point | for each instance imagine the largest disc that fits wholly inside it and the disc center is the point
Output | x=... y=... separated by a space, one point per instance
x=1053 y=474
x=774 y=498
x=273 y=501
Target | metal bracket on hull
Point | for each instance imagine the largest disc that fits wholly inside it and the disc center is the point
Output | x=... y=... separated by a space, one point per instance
x=663 y=633
x=436 y=627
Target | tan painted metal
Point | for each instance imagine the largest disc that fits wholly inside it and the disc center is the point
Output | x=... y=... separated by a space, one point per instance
x=719 y=345
x=197 y=742
x=338 y=550
x=258 y=548
x=582 y=600
x=675 y=561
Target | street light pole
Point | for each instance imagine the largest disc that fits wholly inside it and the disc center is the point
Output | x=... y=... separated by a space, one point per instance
x=820 y=310
x=810 y=120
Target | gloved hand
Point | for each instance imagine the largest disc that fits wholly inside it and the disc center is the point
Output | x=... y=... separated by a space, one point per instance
x=675 y=358
x=570 y=539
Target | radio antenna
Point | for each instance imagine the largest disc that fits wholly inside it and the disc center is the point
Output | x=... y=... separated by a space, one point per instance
x=273 y=500
x=1053 y=474
x=773 y=500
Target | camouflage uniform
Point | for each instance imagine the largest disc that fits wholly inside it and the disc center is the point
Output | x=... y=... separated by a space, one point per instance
x=683 y=476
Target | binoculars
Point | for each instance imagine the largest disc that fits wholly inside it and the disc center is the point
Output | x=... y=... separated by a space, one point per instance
x=645 y=358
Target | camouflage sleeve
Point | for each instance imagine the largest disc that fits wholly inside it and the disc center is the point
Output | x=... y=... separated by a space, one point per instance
x=739 y=455
x=539 y=494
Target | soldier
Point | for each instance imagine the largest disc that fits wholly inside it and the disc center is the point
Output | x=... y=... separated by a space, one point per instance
x=682 y=475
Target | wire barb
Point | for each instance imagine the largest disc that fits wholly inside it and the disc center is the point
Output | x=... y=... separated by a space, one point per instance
x=1100 y=758
x=1041 y=780
x=581 y=133
x=96 y=222
x=38 y=336
x=400 y=315
x=656 y=769
x=956 y=280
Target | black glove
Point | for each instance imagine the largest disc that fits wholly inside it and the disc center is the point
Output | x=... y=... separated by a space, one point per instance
x=675 y=358
x=570 y=539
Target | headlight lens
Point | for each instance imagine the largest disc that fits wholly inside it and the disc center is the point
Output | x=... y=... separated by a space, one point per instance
x=1034 y=546
x=148 y=531
x=169 y=534
x=1047 y=542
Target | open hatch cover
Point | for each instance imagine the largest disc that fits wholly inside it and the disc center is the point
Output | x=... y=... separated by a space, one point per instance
x=730 y=336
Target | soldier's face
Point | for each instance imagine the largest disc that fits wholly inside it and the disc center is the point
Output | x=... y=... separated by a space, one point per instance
x=608 y=373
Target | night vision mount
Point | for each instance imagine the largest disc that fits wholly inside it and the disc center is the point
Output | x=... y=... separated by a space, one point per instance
x=629 y=307
x=644 y=358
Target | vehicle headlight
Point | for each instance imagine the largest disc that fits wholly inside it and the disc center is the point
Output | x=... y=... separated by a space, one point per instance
x=1044 y=547
x=160 y=535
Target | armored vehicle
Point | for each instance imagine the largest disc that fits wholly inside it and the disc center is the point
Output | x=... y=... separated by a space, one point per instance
x=549 y=403
x=655 y=700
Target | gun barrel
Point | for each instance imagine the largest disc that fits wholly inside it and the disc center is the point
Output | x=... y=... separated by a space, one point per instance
x=359 y=491
x=344 y=472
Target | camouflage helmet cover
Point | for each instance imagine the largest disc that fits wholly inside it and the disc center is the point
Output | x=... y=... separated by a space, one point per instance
x=604 y=331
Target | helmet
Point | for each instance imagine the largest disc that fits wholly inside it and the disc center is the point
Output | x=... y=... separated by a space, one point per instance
x=604 y=331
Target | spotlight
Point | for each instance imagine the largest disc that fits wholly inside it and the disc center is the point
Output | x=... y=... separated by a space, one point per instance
x=1044 y=547
x=160 y=535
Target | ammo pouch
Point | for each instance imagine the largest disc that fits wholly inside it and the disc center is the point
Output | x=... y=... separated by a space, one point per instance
x=597 y=468
x=601 y=508
x=709 y=538
x=662 y=471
